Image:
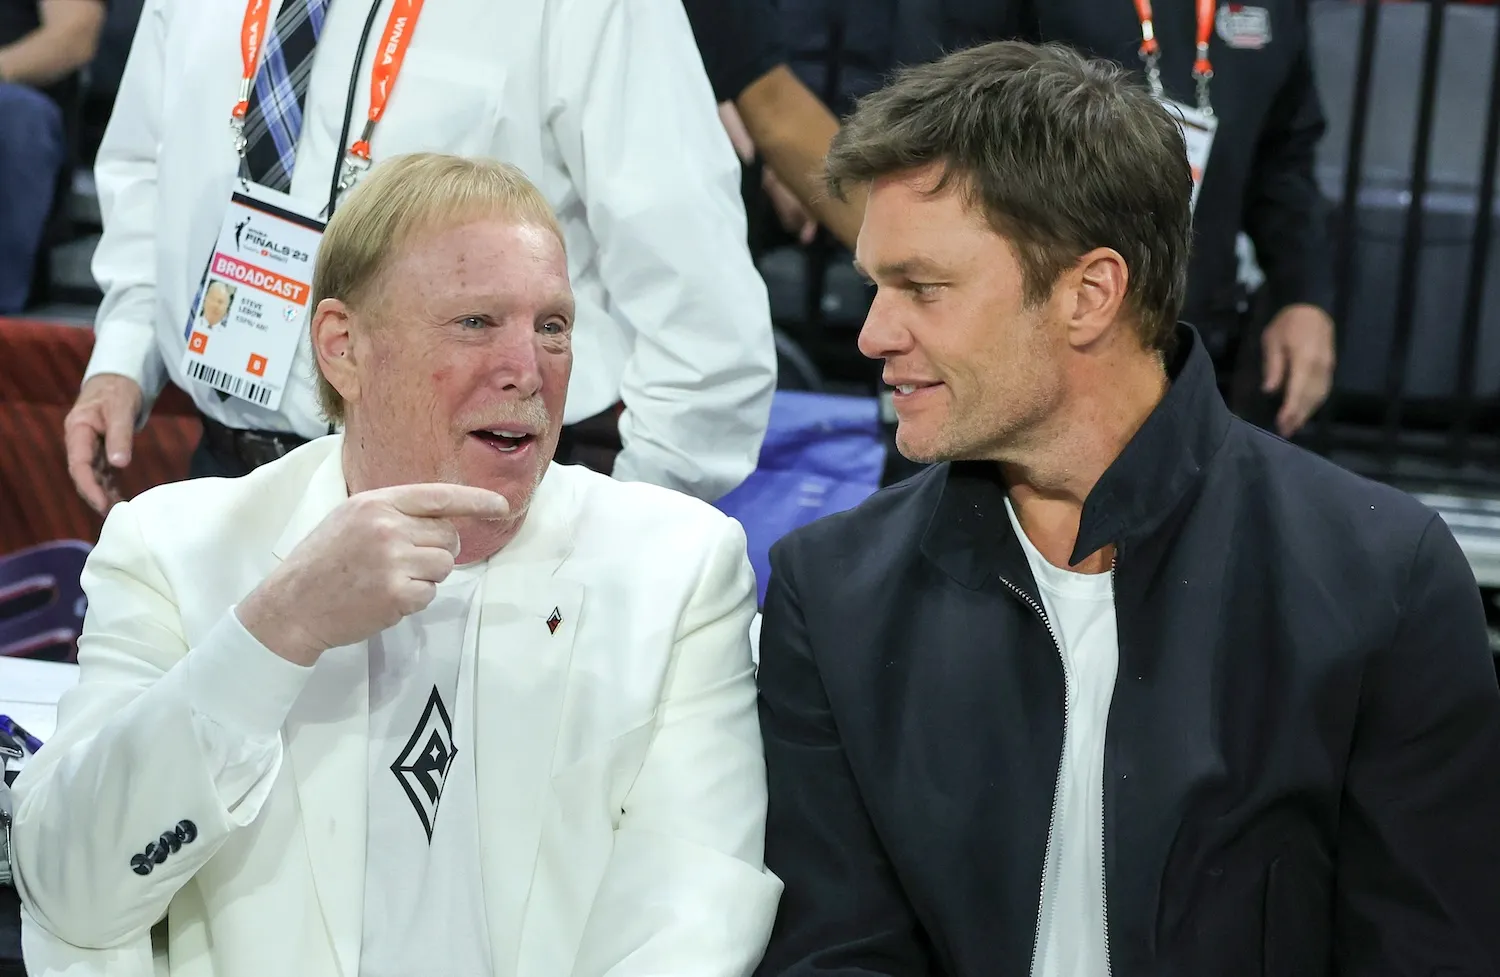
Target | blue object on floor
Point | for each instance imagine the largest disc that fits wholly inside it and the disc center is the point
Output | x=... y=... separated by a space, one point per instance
x=823 y=453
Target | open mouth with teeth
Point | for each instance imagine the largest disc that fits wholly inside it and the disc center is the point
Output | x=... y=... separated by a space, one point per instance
x=504 y=441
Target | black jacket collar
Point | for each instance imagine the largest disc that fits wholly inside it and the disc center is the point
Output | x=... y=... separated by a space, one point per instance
x=970 y=537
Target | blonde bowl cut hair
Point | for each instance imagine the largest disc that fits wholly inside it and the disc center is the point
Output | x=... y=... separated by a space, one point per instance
x=400 y=198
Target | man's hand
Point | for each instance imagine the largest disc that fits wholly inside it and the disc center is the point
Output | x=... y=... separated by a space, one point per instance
x=793 y=216
x=98 y=432
x=374 y=560
x=790 y=211
x=1298 y=350
x=739 y=137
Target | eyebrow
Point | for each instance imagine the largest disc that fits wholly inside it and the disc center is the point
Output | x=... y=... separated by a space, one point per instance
x=557 y=303
x=565 y=305
x=898 y=269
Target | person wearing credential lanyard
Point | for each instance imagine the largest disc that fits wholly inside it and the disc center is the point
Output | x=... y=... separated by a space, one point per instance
x=1239 y=79
x=412 y=699
x=604 y=103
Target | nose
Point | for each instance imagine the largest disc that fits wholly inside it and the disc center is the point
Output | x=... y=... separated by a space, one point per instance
x=516 y=362
x=884 y=335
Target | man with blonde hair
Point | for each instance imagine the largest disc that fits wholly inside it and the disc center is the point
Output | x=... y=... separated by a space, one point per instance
x=604 y=104
x=412 y=699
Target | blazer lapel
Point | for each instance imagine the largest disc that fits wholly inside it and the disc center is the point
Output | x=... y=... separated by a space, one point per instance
x=323 y=493
x=327 y=737
x=328 y=734
x=528 y=619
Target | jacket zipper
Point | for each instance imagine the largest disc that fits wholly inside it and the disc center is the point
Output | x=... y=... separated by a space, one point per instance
x=1036 y=943
x=1109 y=969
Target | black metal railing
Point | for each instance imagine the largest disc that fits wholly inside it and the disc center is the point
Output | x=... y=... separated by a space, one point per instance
x=1379 y=424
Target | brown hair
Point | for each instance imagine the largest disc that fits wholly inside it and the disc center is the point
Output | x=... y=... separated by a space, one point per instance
x=398 y=199
x=1063 y=155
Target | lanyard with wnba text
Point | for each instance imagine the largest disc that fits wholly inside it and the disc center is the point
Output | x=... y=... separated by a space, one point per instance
x=399 y=27
x=1203 y=69
x=252 y=38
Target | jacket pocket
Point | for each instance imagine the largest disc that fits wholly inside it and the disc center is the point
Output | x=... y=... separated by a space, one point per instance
x=1298 y=921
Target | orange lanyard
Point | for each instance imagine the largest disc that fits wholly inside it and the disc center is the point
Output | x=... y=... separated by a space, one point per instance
x=399 y=27
x=252 y=39
x=1203 y=69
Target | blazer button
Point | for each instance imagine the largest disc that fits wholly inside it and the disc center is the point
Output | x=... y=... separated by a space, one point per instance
x=187 y=831
x=157 y=853
x=141 y=865
x=169 y=841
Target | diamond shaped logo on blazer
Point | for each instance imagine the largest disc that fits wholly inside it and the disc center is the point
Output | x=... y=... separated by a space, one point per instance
x=553 y=620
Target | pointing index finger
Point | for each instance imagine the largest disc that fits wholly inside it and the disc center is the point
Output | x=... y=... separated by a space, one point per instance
x=444 y=500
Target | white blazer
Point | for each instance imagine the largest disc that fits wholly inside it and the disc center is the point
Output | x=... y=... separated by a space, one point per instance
x=621 y=785
x=603 y=103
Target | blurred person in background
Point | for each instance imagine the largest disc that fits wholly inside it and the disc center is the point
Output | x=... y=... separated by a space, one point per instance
x=771 y=115
x=603 y=103
x=1274 y=351
x=43 y=43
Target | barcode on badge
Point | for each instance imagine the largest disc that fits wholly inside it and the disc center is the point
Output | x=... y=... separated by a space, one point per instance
x=234 y=386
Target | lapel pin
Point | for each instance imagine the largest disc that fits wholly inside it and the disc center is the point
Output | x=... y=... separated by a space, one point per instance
x=553 y=620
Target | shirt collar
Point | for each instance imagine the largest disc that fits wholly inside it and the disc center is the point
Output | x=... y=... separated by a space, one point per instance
x=970 y=536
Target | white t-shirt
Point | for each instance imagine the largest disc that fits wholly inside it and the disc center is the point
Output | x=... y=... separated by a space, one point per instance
x=1081 y=607
x=424 y=899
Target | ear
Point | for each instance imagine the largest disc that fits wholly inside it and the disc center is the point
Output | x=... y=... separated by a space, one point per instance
x=334 y=348
x=1097 y=291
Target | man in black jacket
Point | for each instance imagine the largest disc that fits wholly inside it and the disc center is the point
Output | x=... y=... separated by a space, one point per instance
x=1276 y=358
x=1122 y=684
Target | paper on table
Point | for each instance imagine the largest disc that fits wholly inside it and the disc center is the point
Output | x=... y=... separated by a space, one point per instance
x=29 y=690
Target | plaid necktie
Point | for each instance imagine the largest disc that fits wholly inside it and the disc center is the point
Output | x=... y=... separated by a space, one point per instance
x=274 y=118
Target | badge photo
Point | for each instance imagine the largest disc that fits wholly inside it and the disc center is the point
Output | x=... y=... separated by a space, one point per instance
x=214 y=305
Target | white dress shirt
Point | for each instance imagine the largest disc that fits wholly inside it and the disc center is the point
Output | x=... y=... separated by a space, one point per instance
x=604 y=104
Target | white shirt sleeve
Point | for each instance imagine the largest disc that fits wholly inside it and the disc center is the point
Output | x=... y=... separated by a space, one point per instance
x=156 y=735
x=125 y=173
x=135 y=755
x=636 y=125
x=241 y=692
